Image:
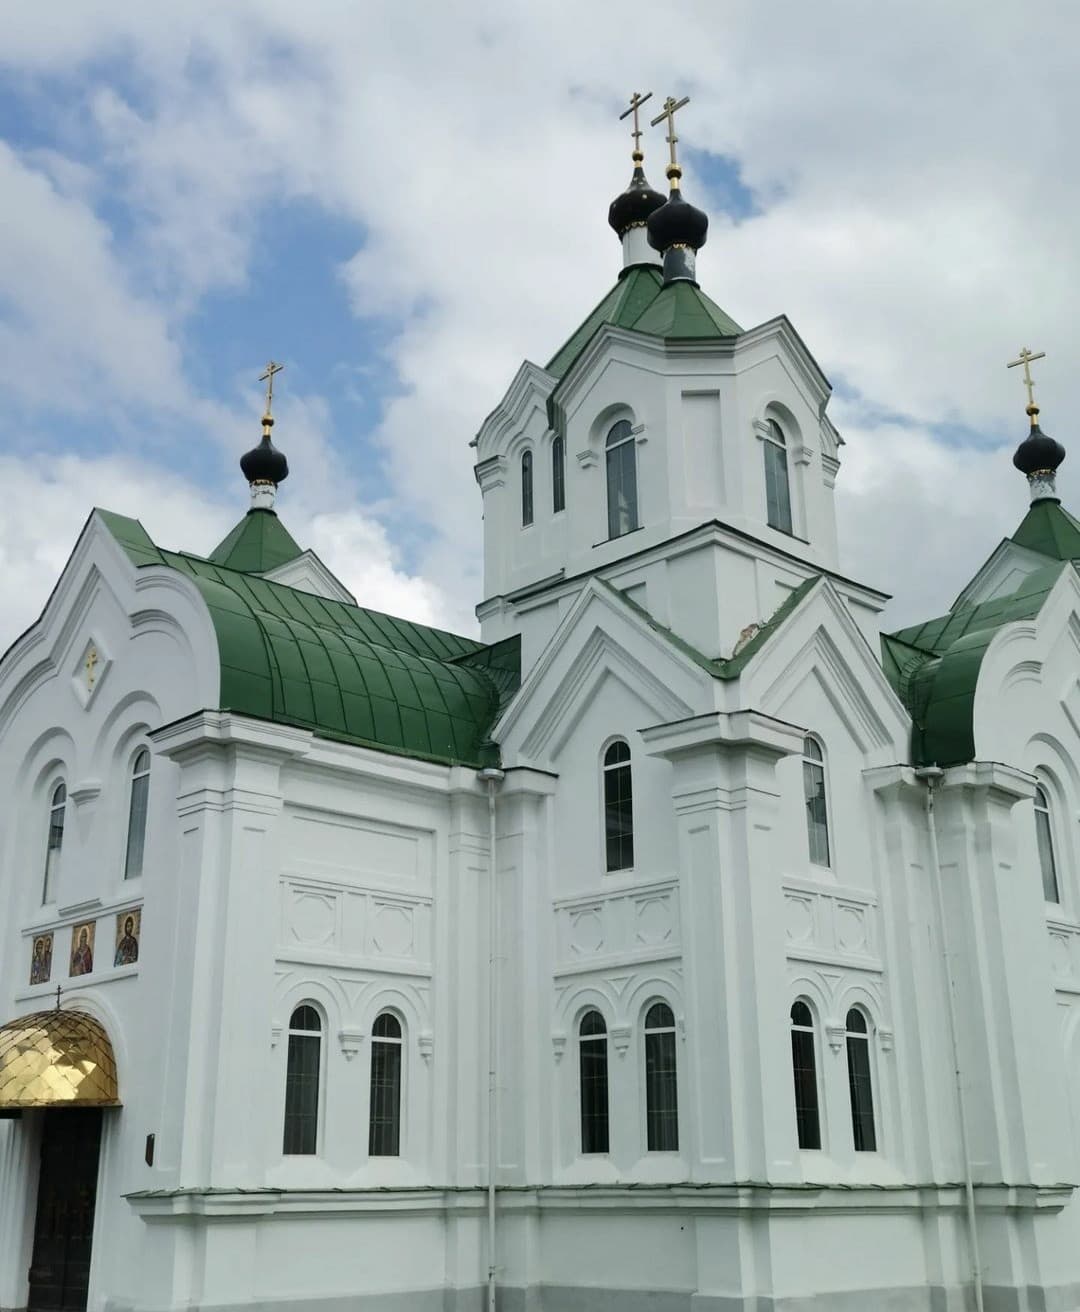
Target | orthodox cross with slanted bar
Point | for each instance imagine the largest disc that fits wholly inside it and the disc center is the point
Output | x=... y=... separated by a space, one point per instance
x=636 y=101
x=268 y=378
x=670 y=106
x=1026 y=357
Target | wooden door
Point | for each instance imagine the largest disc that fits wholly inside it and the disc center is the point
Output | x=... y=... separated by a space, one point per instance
x=64 y=1227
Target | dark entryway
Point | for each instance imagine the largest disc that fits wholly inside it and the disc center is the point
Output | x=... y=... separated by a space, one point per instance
x=67 y=1192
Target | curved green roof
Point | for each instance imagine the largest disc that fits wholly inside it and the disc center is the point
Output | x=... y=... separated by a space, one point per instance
x=343 y=671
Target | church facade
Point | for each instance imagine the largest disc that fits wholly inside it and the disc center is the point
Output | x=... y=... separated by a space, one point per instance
x=684 y=943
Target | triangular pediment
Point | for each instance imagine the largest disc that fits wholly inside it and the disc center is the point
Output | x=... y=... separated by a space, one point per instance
x=601 y=639
x=1001 y=575
x=308 y=573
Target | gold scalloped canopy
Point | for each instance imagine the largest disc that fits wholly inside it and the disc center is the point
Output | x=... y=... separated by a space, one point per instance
x=56 y=1059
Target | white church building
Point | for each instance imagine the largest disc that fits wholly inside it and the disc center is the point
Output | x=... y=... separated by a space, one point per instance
x=683 y=944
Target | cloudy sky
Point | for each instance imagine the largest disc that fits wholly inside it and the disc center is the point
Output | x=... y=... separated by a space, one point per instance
x=403 y=200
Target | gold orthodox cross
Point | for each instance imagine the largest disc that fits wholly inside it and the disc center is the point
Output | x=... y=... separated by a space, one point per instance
x=90 y=666
x=268 y=378
x=1026 y=357
x=636 y=101
x=670 y=106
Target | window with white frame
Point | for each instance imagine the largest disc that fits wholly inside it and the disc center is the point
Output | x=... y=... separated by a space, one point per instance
x=1044 y=836
x=817 y=809
x=804 y=1069
x=661 y=1080
x=558 y=475
x=777 y=484
x=302 y=1076
x=57 y=812
x=618 y=807
x=622 y=492
x=860 y=1082
x=384 y=1116
x=526 y=489
x=136 y=834
x=593 y=1069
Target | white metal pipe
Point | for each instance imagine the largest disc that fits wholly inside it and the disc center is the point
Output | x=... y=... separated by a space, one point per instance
x=929 y=776
x=492 y=778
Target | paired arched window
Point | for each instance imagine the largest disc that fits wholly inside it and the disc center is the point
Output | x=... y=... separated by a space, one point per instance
x=618 y=807
x=804 y=1068
x=384 y=1123
x=622 y=496
x=661 y=1080
x=303 y=1067
x=777 y=486
x=526 y=488
x=593 y=1065
x=1044 y=835
x=57 y=810
x=136 y=836
x=558 y=475
x=860 y=1084
x=817 y=813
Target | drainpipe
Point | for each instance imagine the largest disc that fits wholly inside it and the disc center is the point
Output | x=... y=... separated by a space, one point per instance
x=492 y=778
x=930 y=775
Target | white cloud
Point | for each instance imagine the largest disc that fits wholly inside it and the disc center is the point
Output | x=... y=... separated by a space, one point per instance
x=915 y=224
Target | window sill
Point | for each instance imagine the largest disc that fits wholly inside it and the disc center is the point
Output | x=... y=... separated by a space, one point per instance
x=618 y=537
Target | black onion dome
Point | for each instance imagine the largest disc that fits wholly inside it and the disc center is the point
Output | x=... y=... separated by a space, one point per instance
x=677 y=223
x=264 y=463
x=1038 y=453
x=633 y=206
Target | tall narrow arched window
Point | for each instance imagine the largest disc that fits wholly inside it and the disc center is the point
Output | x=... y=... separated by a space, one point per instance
x=661 y=1080
x=777 y=488
x=526 y=488
x=384 y=1122
x=136 y=835
x=1044 y=835
x=817 y=813
x=558 y=475
x=593 y=1055
x=804 y=1067
x=304 y=1064
x=618 y=807
x=57 y=809
x=860 y=1085
x=622 y=500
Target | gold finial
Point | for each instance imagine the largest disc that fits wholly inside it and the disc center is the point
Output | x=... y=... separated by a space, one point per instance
x=1025 y=358
x=673 y=171
x=268 y=378
x=636 y=101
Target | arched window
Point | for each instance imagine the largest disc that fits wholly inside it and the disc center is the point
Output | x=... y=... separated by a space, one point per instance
x=593 y=1054
x=302 y=1082
x=57 y=808
x=1044 y=835
x=777 y=489
x=558 y=475
x=136 y=836
x=618 y=807
x=661 y=1080
x=622 y=506
x=526 y=488
x=804 y=1066
x=860 y=1085
x=384 y=1124
x=817 y=814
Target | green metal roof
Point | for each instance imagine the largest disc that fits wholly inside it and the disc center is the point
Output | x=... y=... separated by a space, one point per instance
x=640 y=302
x=1049 y=529
x=259 y=543
x=934 y=666
x=343 y=671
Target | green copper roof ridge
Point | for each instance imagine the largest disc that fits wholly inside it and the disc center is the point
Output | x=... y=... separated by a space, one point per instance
x=1049 y=529
x=260 y=540
x=623 y=291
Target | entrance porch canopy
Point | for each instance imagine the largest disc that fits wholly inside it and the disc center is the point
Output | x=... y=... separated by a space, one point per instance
x=56 y=1059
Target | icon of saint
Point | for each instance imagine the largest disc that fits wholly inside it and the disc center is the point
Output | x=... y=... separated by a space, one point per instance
x=127 y=948
x=41 y=962
x=82 y=958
